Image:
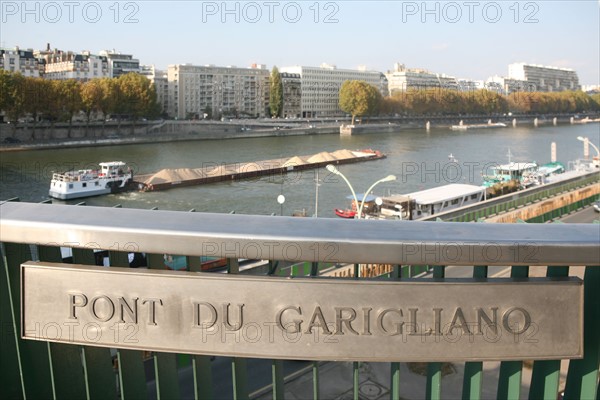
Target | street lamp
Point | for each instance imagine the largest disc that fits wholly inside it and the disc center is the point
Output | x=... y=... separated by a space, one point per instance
x=281 y=200
x=331 y=168
x=386 y=179
x=582 y=139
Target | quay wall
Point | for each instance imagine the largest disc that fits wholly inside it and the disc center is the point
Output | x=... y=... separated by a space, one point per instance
x=26 y=136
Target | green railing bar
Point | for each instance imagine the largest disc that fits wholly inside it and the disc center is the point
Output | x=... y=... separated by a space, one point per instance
x=97 y=361
x=155 y=261
x=434 y=381
x=33 y=357
x=315 y=376
x=132 y=375
x=473 y=370
x=202 y=369
x=10 y=364
x=546 y=373
x=238 y=365
x=472 y=380
x=395 y=274
x=193 y=264
x=355 y=380
x=239 y=378
x=509 y=380
x=99 y=373
x=315 y=364
x=395 y=381
x=582 y=378
x=167 y=380
x=66 y=369
x=83 y=256
x=277 y=376
x=510 y=375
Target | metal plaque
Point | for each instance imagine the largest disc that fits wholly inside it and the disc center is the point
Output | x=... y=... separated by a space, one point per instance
x=303 y=318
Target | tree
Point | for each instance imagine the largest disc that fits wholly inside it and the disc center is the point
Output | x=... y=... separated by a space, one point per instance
x=137 y=95
x=12 y=95
x=91 y=97
x=276 y=94
x=358 y=98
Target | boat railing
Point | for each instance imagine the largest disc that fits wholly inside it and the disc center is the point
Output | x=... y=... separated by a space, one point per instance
x=398 y=250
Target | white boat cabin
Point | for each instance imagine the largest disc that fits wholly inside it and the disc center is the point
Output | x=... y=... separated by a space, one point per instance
x=426 y=203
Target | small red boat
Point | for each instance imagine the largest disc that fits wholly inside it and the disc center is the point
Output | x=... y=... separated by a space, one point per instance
x=345 y=213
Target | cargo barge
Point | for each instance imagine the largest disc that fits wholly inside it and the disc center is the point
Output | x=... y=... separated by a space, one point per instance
x=215 y=172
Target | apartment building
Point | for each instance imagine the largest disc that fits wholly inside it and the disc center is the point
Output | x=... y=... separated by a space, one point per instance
x=545 y=78
x=159 y=80
x=23 y=61
x=194 y=90
x=119 y=63
x=292 y=95
x=401 y=79
x=58 y=64
x=320 y=87
x=504 y=85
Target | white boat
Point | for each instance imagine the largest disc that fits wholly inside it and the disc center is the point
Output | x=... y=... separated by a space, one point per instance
x=112 y=177
x=426 y=203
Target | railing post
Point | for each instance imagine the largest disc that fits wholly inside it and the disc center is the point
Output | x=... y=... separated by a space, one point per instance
x=546 y=373
x=582 y=378
x=509 y=379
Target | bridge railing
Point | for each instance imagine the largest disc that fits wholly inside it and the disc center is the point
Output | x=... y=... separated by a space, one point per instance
x=39 y=369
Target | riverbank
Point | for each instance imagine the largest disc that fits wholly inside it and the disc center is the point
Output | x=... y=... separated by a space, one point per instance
x=29 y=137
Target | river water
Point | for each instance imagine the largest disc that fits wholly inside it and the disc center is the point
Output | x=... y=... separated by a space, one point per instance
x=419 y=159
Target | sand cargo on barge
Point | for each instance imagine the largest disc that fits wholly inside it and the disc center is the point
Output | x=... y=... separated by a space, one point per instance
x=215 y=172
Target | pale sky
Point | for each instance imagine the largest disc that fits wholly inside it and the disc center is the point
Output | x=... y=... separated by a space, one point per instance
x=466 y=39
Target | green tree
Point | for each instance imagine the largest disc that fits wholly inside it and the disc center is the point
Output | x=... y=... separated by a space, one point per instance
x=91 y=97
x=276 y=94
x=358 y=98
x=70 y=99
x=12 y=95
x=137 y=95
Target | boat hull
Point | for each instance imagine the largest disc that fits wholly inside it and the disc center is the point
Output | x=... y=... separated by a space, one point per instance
x=77 y=195
x=349 y=214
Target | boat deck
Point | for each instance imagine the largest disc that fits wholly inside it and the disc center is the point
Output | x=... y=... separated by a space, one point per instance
x=216 y=172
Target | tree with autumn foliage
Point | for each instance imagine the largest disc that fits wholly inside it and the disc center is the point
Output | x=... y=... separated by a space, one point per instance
x=358 y=99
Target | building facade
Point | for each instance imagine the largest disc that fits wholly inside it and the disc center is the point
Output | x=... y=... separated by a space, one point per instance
x=159 y=80
x=320 y=87
x=292 y=95
x=504 y=85
x=60 y=64
x=120 y=64
x=22 y=61
x=545 y=78
x=221 y=91
x=401 y=79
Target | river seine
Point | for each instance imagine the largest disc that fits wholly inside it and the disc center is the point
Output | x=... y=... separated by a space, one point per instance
x=419 y=159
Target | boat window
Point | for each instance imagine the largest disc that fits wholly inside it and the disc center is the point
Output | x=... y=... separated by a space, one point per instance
x=84 y=184
x=97 y=183
x=455 y=201
x=474 y=196
x=70 y=186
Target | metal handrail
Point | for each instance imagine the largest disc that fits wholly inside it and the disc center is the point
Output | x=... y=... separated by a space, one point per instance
x=299 y=239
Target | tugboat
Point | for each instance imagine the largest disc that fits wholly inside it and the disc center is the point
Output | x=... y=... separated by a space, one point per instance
x=112 y=177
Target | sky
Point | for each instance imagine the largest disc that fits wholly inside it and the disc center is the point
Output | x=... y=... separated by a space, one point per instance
x=466 y=39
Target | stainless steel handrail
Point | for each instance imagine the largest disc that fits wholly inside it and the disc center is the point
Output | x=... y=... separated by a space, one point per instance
x=300 y=239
